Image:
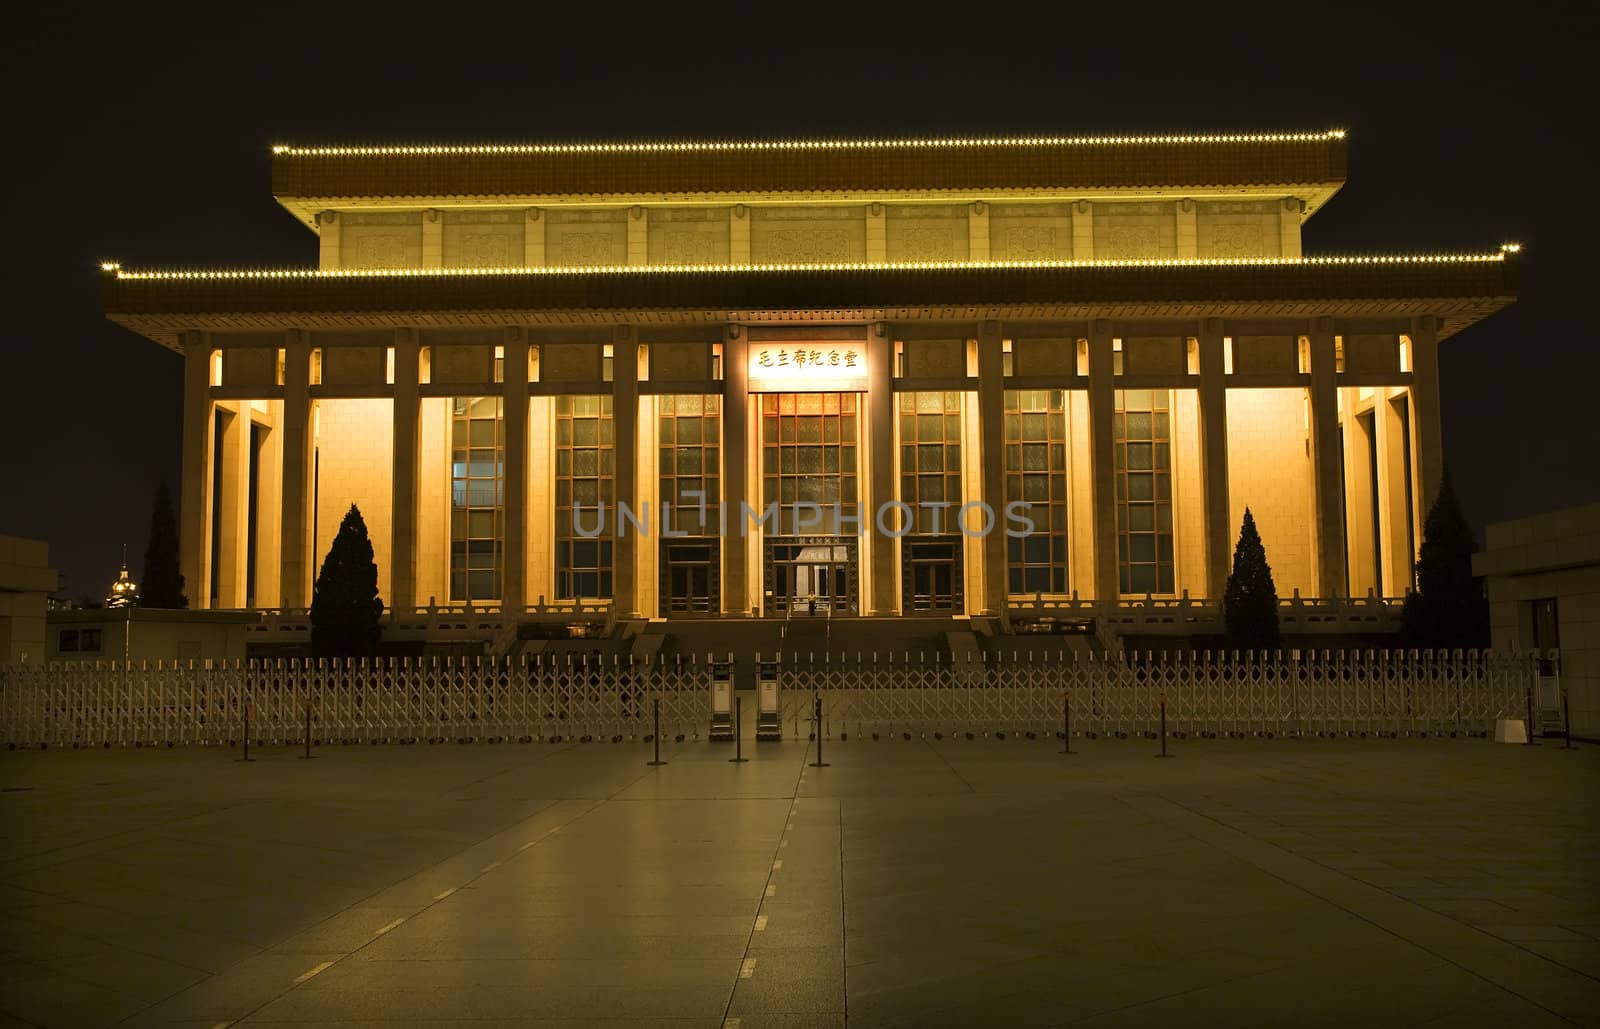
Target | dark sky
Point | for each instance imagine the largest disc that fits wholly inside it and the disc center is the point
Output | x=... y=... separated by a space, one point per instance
x=141 y=133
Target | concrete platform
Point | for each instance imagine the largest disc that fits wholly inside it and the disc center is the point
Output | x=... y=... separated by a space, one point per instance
x=982 y=883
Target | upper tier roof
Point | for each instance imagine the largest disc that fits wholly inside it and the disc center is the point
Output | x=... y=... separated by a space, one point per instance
x=1459 y=289
x=1309 y=165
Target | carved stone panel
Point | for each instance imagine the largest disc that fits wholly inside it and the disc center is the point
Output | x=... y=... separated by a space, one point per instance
x=570 y=362
x=680 y=362
x=1154 y=355
x=818 y=235
x=688 y=235
x=1030 y=232
x=936 y=358
x=354 y=366
x=462 y=364
x=381 y=239
x=926 y=232
x=1266 y=355
x=1045 y=356
x=250 y=366
x=1237 y=228
x=483 y=239
x=1135 y=231
x=587 y=238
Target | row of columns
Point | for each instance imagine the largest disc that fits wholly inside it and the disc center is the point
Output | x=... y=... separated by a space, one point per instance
x=882 y=572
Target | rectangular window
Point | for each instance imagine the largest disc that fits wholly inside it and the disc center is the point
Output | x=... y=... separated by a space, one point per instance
x=585 y=496
x=1036 y=474
x=67 y=643
x=89 y=641
x=808 y=457
x=477 y=499
x=930 y=459
x=1141 y=433
x=690 y=440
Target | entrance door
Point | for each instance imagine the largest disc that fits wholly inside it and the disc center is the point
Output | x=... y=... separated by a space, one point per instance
x=690 y=580
x=811 y=577
x=932 y=574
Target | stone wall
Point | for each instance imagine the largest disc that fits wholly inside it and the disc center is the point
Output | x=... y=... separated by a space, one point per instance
x=1269 y=471
x=355 y=452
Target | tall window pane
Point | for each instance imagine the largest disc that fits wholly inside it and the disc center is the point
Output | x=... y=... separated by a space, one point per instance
x=477 y=498
x=1141 y=431
x=586 y=507
x=1036 y=473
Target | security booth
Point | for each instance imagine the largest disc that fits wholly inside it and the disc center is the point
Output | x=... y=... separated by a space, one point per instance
x=722 y=701
x=768 y=725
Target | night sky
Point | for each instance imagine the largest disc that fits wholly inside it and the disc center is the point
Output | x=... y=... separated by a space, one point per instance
x=142 y=134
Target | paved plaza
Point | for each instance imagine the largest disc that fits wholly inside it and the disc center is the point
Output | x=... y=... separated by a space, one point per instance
x=925 y=883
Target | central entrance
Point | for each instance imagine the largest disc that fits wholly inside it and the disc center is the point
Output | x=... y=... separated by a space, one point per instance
x=812 y=576
x=809 y=472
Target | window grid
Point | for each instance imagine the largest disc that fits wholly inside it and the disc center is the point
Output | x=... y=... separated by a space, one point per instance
x=477 y=499
x=1141 y=432
x=1036 y=474
x=689 y=441
x=585 y=496
x=930 y=459
x=808 y=455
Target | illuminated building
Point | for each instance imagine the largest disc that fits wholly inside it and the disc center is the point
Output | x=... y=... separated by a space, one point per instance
x=1121 y=332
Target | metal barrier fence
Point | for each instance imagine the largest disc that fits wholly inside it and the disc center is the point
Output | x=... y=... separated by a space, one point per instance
x=430 y=699
x=1380 y=693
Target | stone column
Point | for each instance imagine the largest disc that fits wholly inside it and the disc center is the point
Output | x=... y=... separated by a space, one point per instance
x=1427 y=434
x=1083 y=231
x=991 y=450
x=1326 y=470
x=1396 y=544
x=194 y=497
x=1359 y=543
x=1214 y=458
x=514 y=586
x=432 y=238
x=880 y=446
x=739 y=236
x=327 y=239
x=978 y=231
x=877 y=234
x=1188 y=234
x=1102 y=463
x=407 y=453
x=533 y=238
x=736 y=487
x=295 y=581
x=232 y=495
x=1289 y=227
x=625 y=415
x=638 y=235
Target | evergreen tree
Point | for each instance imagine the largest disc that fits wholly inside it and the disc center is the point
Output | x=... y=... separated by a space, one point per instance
x=1448 y=608
x=345 y=606
x=162 y=584
x=1250 y=601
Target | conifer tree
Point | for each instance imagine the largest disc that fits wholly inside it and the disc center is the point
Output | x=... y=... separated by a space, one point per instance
x=1250 y=601
x=345 y=606
x=162 y=583
x=1448 y=608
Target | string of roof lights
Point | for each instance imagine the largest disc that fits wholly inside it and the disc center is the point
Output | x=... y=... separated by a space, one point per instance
x=121 y=273
x=417 y=150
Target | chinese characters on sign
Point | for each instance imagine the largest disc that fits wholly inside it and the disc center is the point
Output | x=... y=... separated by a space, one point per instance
x=808 y=366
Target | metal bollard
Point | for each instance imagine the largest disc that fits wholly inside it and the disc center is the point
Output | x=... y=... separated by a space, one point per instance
x=656 y=734
x=1566 y=721
x=308 y=753
x=1066 y=723
x=738 y=731
x=247 y=707
x=817 y=712
x=1529 y=734
x=1163 y=728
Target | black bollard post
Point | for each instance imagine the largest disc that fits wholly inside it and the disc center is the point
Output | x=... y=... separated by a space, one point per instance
x=738 y=731
x=1066 y=723
x=1529 y=734
x=817 y=711
x=308 y=753
x=656 y=735
x=1163 y=729
x=1566 y=722
x=247 y=757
